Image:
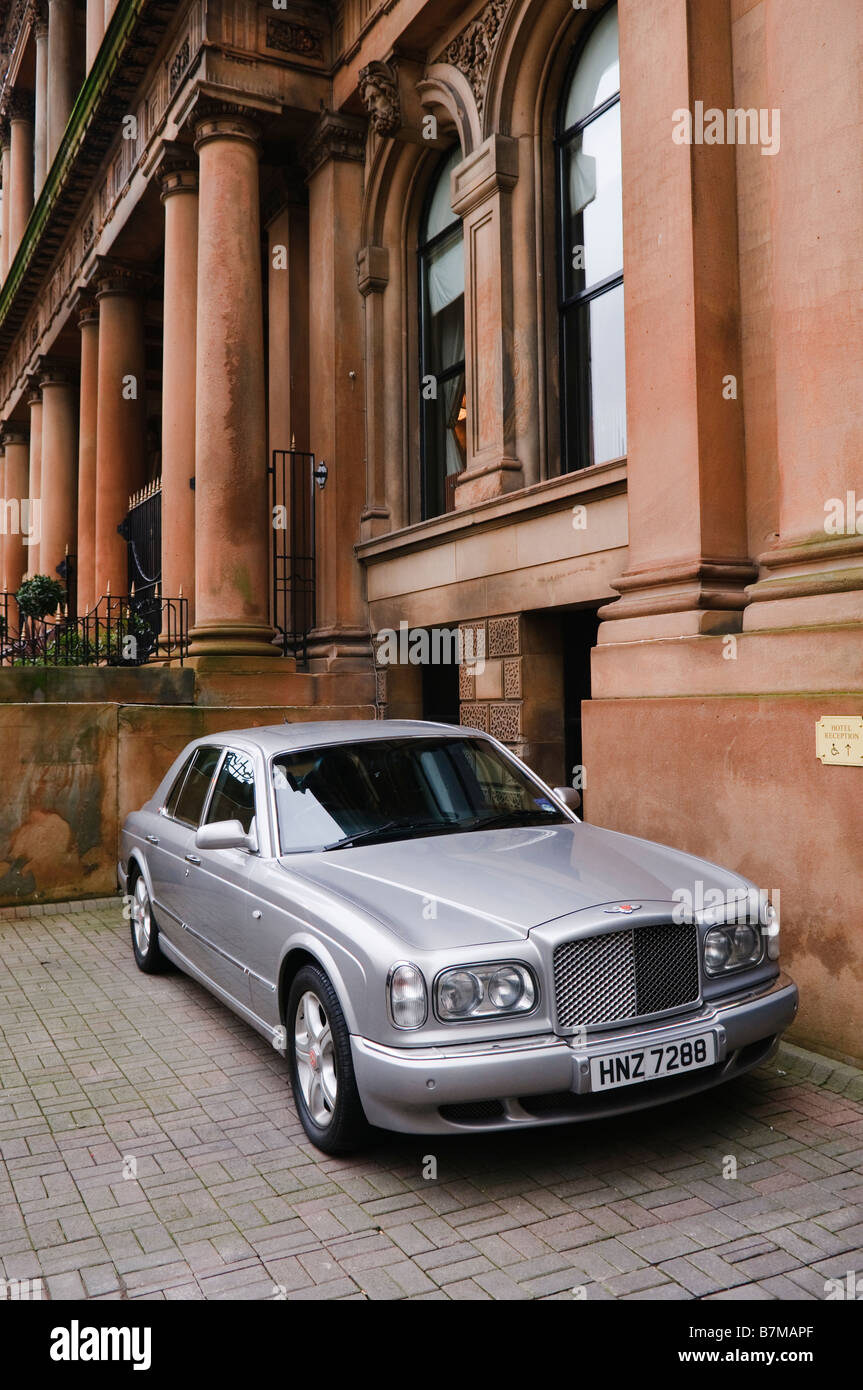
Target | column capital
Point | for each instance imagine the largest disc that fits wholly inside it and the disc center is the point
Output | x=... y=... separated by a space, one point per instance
x=224 y=120
x=38 y=15
x=14 y=432
x=493 y=168
x=177 y=169
x=84 y=307
x=53 y=371
x=19 y=105
x=34 y=390
x=335 y=136
x=119 y=277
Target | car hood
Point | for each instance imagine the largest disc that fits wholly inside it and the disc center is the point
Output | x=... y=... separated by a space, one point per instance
x=495 y=885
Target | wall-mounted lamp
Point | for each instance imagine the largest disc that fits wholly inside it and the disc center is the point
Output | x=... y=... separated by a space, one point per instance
x=320 y=474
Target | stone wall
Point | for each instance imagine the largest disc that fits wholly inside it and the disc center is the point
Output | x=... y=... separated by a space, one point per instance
x=72 y=772
x=736 y=781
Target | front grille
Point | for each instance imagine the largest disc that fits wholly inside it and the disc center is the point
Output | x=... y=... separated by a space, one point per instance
x=626 y=974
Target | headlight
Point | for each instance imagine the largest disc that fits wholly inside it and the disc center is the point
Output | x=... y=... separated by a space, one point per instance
x=407 y=996
x=484 y=991
x=729 y=948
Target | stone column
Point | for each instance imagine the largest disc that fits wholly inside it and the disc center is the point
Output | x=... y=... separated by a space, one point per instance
x=17 y=486
x=688 y=561
x=232 y=523
x=6 y=147
x=95 y=29
x=40 y=137
x=21 y=168
x=88 y=322
x=482 y=186
x=59 y=466
x=179 y=180
x=813 y=571
x=61 y=70
x=34 y=400
x=335 y=158
x=120 y=429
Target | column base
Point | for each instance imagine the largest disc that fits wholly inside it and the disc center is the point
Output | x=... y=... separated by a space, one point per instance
x=682 y=599
x=489 y=481
x=340 y=649
x=233 y=640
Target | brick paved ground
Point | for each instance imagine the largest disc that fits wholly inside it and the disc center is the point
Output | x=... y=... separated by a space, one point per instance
x=101 y=1063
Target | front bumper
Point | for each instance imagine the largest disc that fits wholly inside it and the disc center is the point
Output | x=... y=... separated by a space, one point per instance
x=546 y=1079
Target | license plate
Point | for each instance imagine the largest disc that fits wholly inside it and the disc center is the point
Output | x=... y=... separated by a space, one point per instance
x=649 y=1063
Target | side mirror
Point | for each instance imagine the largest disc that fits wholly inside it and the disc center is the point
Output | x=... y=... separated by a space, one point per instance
x=569 y=796
x=225 y=834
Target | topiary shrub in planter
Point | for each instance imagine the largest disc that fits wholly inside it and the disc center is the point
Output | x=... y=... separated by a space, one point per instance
x=39 y=597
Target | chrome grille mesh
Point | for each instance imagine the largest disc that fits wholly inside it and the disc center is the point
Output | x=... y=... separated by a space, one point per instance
x=625 y=974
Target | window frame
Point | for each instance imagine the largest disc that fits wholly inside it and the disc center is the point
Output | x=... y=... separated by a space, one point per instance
x=201 y=748
x=217 y=771
x=424 y=248
x=576 y=423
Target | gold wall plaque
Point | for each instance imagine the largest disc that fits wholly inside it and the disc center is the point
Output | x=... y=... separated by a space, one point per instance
x=839 y=740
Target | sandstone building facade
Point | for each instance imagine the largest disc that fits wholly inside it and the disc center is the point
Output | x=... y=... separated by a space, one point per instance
x=577 y=376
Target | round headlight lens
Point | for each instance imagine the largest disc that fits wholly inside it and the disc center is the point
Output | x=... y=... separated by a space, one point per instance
x=717 y=949
x=460 y=992
x=505 y=987
x=747 y=944
x=408 y=999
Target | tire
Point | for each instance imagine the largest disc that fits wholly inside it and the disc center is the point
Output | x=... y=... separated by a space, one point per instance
x=320 y=1065
x=145 y=932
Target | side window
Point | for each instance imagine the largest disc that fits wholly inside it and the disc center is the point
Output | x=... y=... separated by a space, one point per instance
x=190 y=802
x=234 y=795
x=174 y=794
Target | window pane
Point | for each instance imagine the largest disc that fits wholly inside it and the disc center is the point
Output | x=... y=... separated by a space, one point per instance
x=597 y=76
x=234 y=794
x=444 y=418
x=593 y=202
x=596 y=376
x=194 y=793
x=440 y=213
x=171 y=803
x=399 y=789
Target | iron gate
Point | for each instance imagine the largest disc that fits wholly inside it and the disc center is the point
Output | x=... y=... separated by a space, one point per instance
x=292 y=497
x=142 y=532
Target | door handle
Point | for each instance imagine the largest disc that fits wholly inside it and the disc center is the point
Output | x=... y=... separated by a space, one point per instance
x=193 y=858
x=153 y=839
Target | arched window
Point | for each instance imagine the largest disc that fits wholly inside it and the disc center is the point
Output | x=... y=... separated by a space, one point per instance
x=441 y=281
x=592 y=368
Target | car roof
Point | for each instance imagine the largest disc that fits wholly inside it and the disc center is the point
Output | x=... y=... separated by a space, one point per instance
x=284 y=738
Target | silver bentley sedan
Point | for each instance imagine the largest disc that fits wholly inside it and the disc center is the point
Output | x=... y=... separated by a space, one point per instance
x=434 y=938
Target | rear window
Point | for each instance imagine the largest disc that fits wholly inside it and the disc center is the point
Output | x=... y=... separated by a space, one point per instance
x=190 y=802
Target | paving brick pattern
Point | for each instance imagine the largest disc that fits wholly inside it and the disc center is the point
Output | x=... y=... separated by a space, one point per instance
x=150 y=1149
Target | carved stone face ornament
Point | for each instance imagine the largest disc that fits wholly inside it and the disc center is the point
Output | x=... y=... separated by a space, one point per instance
x=380 y=94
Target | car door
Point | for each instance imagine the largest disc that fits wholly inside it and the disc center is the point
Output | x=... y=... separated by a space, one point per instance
x=172 y=839
x=218 y=906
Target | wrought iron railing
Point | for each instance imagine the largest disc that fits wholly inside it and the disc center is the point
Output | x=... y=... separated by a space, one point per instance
x=119 y=631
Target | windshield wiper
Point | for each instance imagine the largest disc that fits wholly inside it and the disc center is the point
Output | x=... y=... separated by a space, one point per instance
x=515 y=818
x=392 y=828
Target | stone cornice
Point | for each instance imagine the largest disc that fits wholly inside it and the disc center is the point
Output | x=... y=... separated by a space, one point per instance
x=128 y=47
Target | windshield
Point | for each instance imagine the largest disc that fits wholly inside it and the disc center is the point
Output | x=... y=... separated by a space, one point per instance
x=397 y=788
